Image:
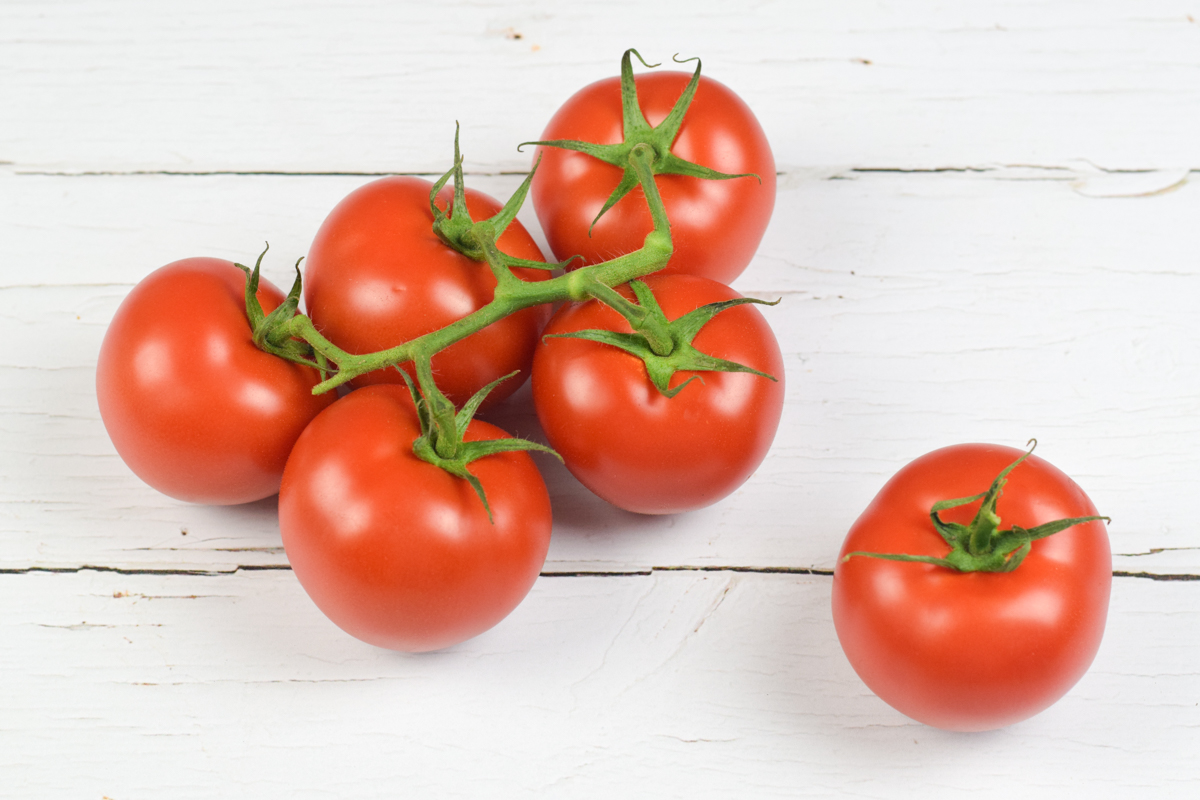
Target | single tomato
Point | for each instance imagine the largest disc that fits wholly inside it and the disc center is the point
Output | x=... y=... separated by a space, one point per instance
x=632 y=445
x=398 y=552
x=972 y=651
x=191 y=404
x=377 y=276
x=716 y=224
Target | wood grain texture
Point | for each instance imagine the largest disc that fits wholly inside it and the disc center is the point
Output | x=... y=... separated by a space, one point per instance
x=273 y=85
x=918 y=310
x=985 y=230
x=664 y=685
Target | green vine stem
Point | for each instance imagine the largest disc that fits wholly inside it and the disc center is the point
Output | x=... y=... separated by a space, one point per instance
x=292 y=335
x=512 y=294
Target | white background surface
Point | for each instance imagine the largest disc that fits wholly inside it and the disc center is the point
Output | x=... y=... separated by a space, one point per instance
x=985 y=231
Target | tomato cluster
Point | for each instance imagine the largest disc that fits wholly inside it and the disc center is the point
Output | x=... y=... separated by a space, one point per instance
x=410 y=523
x=413 y=525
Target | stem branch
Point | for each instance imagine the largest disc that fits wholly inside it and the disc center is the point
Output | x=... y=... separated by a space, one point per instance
x=513 y=294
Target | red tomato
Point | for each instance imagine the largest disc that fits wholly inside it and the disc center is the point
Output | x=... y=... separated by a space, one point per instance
x=192 y=405
x=377 y=276
x=398 y=552
x=716 y=224
x=972 y=651
x=633 y=446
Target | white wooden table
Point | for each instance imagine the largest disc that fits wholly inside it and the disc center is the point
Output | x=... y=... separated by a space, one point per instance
x=985 y=231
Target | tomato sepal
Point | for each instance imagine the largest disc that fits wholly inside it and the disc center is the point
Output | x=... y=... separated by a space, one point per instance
x=254 y=309
x=664 y=346
x=981 y=546
x=636 y=130
x=272 y=333
x=463 y=234
x=441 y=440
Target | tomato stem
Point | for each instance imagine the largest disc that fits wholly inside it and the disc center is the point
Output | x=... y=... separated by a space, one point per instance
x=511 y=295
x=653 y=327
x=292 y=335
x=441 y=412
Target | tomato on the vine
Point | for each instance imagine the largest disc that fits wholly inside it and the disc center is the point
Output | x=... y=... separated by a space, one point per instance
x=973 y=650
x=191 y=404
x=377 y=276
x=396 y=551
x=716 y=224
x=629 y=443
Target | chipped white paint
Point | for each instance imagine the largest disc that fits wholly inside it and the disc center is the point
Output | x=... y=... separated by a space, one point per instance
x=986 y=230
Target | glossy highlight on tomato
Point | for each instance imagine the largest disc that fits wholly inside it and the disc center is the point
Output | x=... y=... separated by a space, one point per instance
x=396 y=551
x=716 y=224
x=980 y=650
x=635 y=447
x=192 y=406
x=377 y=276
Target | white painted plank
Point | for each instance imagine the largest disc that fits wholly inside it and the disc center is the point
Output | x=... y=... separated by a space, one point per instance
x=1043 y=286
x=353 y=86
x=666 y=685
x=919 y=311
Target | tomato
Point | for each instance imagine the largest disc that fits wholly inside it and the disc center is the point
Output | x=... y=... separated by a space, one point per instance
x=716 y=224
x=377 y=276
x=191 y=404
x=396 y=551
x=972 y=651
x=635 y=447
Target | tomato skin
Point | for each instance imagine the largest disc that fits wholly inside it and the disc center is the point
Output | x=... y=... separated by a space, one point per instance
x=377 y=276
x=192 y=406
x=716 y=225
x=972 y=651
x=398 y=552
x=638 y=449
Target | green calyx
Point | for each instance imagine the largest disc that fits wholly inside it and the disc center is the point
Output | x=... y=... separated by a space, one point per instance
x=458 y=231
x=665 y=347
x=981 y=546
x=270 y=331
x=637 y=131
x=442 y=429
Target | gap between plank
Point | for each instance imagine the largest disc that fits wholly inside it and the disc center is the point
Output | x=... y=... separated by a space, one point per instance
x=545 y=574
